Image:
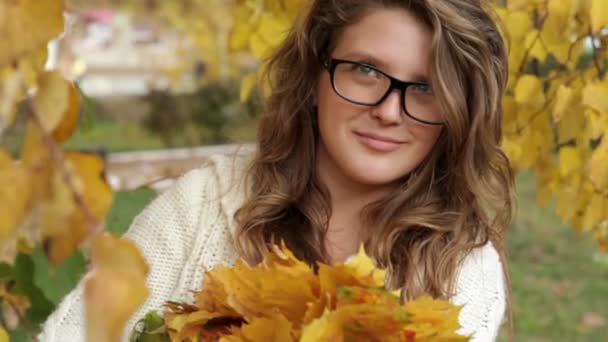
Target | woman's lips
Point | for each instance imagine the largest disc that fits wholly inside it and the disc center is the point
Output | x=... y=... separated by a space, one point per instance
x=378 y=143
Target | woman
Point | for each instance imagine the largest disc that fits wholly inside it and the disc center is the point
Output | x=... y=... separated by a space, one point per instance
x=382 y=128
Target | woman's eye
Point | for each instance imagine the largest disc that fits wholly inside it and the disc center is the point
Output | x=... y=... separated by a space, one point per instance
x=365 y=69
x=422 y=88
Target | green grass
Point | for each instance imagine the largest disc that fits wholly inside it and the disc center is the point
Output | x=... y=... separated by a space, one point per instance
x=555 y=281
x=114 y=136
x=110 y=136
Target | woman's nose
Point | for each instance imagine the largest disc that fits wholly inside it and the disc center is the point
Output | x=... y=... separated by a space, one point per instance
x=389 y=111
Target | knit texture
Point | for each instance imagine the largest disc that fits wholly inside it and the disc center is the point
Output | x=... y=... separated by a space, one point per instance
x=188 y=229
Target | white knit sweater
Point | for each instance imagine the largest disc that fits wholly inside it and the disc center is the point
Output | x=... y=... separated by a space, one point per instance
x=187 y=229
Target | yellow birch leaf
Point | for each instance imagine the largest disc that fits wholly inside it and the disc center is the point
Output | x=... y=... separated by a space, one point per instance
x=32 y=64
x=518 y=24
x=273 y=28
x=525 y=115
x=57 y=210
x=9 y=95
x=578 y=48
x=27 y=25
x=598 y=166
x=12 y=82
x=114 y=289
x=547 y=180
x=595 y=95
x=532 y=42
x=258 y=46
x=517 y=54
x=247 y=84
x=51 y=100
x=569 y=160
x=597 y=123
x=561 y=52
x=513 y=151
x=3 y=335
x=14 y=194
x=564 y=100
x=36 y=159
x=599 y=14
x=96 y=192
x=567 y=198
x=294 y=7
x=529 y=91
x=69 y=122
x=560 y=8
x=570 y=126
x=595 y=213
x=87 y=175
x=270 y=32
x=240 y=35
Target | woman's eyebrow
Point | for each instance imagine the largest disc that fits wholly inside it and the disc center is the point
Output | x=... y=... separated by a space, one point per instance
x=378 y=63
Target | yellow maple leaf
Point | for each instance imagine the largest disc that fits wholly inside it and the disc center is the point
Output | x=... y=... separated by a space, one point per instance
x=252 y=294
x=363 y=266
x=362 y=322
x=275 y=328
x=428 y=310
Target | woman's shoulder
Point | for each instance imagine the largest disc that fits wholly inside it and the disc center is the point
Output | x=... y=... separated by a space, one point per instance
x=480 y=287
x=220 y=171
x=480 y=268
x=218 y=184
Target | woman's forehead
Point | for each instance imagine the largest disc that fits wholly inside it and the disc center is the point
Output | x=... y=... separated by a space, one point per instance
x=393 y=39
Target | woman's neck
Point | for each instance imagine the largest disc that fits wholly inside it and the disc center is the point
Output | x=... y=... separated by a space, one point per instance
x=348 y=198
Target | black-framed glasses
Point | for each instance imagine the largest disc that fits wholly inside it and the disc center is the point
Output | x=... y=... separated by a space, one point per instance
x=364 y=84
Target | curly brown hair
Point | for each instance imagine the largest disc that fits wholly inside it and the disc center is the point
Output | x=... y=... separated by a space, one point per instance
x=458 y=199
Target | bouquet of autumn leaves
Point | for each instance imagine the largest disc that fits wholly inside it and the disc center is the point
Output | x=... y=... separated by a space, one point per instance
x=283 y=299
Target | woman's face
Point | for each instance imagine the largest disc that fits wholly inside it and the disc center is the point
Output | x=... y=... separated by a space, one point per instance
x=379 y=144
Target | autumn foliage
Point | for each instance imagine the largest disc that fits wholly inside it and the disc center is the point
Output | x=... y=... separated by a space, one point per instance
x=50 y=196
x=282 y=299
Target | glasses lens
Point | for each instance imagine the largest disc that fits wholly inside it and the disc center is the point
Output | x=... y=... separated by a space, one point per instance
x=360 y=83
x=420 y=103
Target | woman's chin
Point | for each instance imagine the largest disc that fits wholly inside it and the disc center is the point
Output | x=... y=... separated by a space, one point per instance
x=371 y=175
